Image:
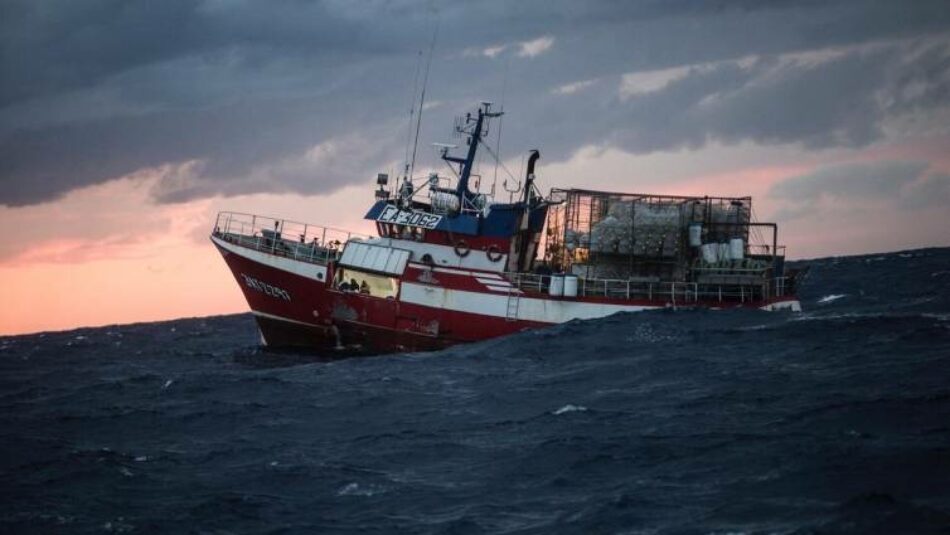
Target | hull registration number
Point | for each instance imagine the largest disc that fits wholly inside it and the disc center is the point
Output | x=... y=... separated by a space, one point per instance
x=392 y=214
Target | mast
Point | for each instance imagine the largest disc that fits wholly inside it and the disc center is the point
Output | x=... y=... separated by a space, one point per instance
x=472 y=148
x=475 y=137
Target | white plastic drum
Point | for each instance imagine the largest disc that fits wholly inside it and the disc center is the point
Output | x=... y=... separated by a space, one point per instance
x=736 y=249
x=710 y=252
x=723 y=252
x=695 y=234
x=570 y=286
x=556 y=288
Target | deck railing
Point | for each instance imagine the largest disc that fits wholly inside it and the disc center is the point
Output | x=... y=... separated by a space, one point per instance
x=675 y=293
x=282 y=237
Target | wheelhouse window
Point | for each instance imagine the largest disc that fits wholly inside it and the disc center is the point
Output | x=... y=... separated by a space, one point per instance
x=364 y=282
x=401 y=232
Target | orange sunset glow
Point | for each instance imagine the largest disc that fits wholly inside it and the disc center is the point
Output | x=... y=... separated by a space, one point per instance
x=115 y=167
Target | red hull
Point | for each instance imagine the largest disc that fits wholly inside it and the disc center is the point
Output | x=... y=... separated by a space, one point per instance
x=300 y=309
x=320 y=317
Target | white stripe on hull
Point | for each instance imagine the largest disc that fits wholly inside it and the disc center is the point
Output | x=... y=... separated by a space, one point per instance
x=504 y=289
x=529 y=309
x=304 y=269
x=493 y=282
x=287 y=320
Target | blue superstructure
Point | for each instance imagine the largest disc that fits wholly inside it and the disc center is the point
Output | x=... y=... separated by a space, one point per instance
x=501 y=220
x=457 y=210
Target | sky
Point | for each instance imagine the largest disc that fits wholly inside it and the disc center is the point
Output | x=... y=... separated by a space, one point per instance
x=125 y=126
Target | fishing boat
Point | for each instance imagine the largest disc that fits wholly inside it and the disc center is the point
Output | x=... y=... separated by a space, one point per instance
x=450 y=264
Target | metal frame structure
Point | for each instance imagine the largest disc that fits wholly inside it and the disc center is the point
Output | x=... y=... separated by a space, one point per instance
x=572 y=244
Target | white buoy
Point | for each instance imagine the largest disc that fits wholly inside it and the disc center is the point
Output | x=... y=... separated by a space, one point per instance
x=444 y=202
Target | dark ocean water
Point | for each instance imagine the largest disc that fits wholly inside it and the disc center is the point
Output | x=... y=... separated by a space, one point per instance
x=836 y=420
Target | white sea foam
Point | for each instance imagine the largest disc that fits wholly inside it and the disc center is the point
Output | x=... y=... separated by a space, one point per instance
x=570 y=408
x=761 y=327
x=168 y=383
x=830 y=298
x=646 y=333
x=118 y=525
x=355 y=489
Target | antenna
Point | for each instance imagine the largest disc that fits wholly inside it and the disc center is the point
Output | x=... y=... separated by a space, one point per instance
x=412 y=109
x=422 y=99
x=504 y=87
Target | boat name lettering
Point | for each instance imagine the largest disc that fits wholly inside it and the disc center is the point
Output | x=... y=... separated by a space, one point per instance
x=265 y=288
x=392 y=214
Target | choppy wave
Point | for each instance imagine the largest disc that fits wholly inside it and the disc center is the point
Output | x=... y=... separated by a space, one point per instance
x=834 y=420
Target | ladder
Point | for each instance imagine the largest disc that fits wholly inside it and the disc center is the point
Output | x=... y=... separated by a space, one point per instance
x=514 y=300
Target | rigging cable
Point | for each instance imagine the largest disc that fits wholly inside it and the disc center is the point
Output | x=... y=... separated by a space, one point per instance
x=422 y=99
x=501 y=163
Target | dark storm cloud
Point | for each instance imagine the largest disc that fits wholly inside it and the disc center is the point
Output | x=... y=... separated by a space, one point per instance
x=905 y=184
x=850 y=181
x=308 y=96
